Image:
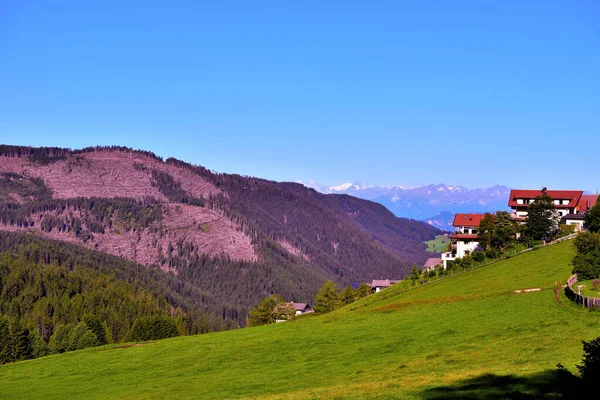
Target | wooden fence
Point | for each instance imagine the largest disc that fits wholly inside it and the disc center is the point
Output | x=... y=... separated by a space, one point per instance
x=587 y=302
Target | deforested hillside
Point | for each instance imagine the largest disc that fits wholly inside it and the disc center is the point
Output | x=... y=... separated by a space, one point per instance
x=232 y=237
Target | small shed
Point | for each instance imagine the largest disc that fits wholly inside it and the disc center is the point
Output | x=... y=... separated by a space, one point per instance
x=379 y=284
x=302 y=308
x=431 y=263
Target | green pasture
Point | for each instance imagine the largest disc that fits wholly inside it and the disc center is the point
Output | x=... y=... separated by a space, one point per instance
x=438 y=244
x=471 y=334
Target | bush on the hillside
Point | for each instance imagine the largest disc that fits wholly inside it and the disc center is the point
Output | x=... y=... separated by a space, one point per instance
x=415 y=275
x=586 y=262
x=566 y=230
x=573 y=387
x=590 y=366
x=492 y=253
x=363 y=290
x=478 y=256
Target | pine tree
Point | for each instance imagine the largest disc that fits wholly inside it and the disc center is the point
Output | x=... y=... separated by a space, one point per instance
x=95 y=325
x=21 y=346
x=415 y=275
x=327 y=299
x=348 y=295
x=5 y=342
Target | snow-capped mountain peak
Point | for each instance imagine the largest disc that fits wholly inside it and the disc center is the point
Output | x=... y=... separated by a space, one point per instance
x=342 y=187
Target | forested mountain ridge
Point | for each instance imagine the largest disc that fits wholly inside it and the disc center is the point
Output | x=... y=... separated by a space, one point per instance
x=232 y=237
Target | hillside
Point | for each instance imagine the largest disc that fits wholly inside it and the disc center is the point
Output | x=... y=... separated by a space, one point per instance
x=232 y=237
x=469 y=336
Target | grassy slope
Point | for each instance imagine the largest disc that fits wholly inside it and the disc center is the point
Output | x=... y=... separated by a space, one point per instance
x=386 y=346
x=437 y=245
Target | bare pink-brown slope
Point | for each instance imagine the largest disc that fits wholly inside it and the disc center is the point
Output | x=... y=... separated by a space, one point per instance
x=106 y=174
x=112 y=174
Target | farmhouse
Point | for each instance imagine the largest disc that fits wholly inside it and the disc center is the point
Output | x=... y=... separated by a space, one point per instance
x=464 y=241
x=302 y=308
x=379 y=284
x=431 y=263
x=565 y=201
x=286 y=308
x=586 y=202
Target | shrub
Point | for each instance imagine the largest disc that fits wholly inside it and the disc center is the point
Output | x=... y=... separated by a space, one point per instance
x=478 y=256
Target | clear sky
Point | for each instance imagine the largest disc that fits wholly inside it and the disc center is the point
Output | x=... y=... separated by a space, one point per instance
x=473 y=93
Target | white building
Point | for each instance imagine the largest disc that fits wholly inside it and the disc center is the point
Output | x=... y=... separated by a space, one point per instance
x=565 y=201
x=464 y=241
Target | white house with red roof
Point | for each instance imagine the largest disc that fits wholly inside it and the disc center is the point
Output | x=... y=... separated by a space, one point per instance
x=464 y=241
x=565 y=201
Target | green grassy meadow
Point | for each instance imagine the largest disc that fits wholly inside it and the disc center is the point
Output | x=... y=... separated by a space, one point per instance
x=438 y=244
x=415 y=344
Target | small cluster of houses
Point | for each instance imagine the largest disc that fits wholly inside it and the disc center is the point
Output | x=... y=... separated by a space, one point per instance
x=571 y=206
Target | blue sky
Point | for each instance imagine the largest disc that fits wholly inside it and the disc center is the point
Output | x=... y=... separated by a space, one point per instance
x=473 y=93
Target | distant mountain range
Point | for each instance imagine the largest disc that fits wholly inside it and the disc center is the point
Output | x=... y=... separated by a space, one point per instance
x=435 y=204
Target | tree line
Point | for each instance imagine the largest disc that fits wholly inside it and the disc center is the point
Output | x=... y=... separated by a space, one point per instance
x=48 y=309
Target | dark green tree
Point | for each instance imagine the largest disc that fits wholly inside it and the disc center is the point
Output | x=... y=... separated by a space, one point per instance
x=592 y=218
x=39 y=348
x=586 y=262
x=348 y=295
x=75 y=336
x=265 y=312
x=327 y=298
x=504 y=229
x=486 y=231
x=541 y=219
x=415 y=274
x=59 y=341
x=590 y=367
x=21 y=346
x=5 y=342
x=95 y=325
x=363 y=290
x=87 y=340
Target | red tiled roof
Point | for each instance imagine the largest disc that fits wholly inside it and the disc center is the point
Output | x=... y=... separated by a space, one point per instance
x=587 y=201
x=463 y=236
x=471 y=220
x=572 y=195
